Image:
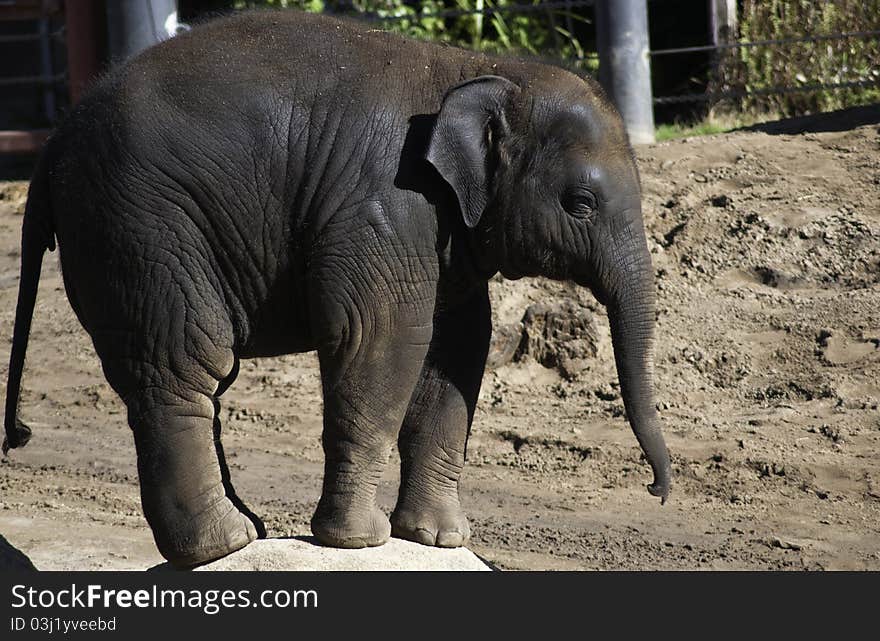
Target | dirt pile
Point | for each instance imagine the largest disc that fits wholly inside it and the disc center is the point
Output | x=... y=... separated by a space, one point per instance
x=560 y=336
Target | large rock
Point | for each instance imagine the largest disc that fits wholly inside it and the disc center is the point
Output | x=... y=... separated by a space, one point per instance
x=303 y=554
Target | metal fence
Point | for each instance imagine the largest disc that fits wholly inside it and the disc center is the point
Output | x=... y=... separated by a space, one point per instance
x=547 y=5
x=711 y=96
x=560 y=10
x=43 y=37
x=550 y=6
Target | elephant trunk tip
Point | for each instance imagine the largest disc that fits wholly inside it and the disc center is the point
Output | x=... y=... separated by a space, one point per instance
x=657 y=489
x=17 y=436
x=660 y=486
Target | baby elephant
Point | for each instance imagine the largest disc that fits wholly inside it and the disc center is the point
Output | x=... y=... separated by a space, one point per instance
x=280 y=182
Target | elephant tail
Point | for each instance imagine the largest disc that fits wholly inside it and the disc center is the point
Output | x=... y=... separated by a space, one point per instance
x=37 y=236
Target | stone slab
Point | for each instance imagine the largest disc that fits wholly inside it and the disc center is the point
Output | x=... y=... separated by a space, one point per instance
x=302 y=553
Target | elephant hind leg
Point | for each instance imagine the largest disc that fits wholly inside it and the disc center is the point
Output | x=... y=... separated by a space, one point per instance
x=186 y=493
x=139 y=277
x=173 y=410
x=227 y=480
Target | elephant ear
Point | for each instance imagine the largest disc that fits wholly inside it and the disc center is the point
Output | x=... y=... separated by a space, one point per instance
x=468 y=129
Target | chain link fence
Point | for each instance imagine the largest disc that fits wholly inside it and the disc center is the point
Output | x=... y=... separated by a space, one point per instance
x=747 y=91
x=713 y=73
x=562 y=31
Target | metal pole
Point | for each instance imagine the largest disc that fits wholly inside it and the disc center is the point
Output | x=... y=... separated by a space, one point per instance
x=723 y=21
x=134 y=25
x=624 y=65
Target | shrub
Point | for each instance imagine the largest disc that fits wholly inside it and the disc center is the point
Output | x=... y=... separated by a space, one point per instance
x=552 y=33
x=804 y=63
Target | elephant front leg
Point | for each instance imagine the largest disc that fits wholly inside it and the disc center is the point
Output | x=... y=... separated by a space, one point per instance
x=433 y=439
x=366 y=391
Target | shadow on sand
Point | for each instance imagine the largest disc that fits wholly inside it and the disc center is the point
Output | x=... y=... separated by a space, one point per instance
x=12 y=559
x=841 y=120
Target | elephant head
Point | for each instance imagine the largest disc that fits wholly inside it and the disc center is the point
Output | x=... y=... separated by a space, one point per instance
x=547 y=183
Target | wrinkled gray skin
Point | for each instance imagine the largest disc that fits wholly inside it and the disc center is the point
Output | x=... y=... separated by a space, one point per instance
x=280 y=182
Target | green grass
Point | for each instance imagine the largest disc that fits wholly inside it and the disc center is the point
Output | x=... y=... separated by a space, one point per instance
x=715 y=122
x=704 y=128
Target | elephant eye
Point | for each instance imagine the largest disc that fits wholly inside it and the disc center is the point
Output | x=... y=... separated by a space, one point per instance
x=580 y=203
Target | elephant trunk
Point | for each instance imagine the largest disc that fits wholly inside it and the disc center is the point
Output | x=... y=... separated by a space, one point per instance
x=631 y=316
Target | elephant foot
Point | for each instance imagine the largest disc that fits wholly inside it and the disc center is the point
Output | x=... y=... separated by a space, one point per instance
x=350 y=528
x=187 y=541
x=441 y=524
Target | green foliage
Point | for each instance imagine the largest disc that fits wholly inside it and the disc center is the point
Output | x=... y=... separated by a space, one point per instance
x=314 y=6
x=806 y=63
x=550 y=33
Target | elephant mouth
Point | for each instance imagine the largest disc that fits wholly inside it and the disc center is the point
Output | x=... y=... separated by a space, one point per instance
x=511 y=273
x=598 y=292
x=508 y=265
x=496 y=242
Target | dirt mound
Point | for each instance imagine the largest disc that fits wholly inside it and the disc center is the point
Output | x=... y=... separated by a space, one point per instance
x=767 y=255
x=560 y=336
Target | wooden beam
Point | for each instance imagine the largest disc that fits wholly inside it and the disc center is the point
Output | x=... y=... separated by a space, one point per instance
x=22 y=142
x=29 y=9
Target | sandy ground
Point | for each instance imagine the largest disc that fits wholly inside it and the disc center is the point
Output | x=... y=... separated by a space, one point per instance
x=767 y=250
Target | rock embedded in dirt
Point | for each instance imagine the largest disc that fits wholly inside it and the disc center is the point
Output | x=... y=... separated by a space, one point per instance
x=722 y=200
x=833 y=433
x=14 y=195
x=783 y=544
x=505 y=342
